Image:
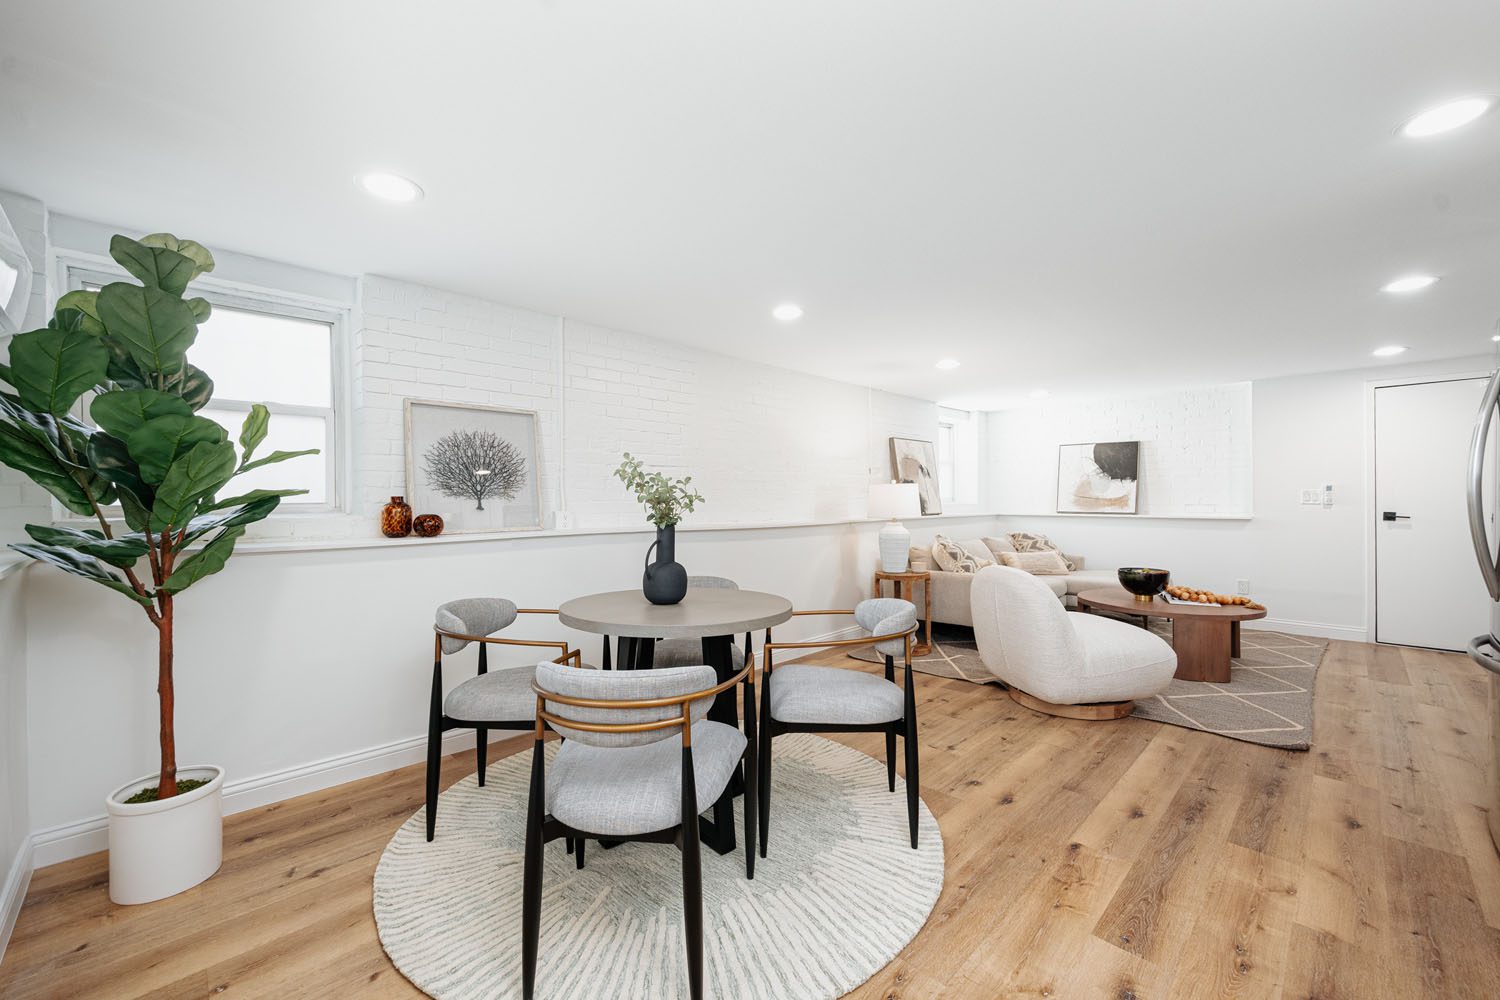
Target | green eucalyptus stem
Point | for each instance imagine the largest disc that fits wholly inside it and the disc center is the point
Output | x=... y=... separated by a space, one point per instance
x=666 y=500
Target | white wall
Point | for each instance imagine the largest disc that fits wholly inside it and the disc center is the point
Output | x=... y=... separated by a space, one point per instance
x=20 y=502
x=15 y=819
x=1195 y=449
x=1309 y=565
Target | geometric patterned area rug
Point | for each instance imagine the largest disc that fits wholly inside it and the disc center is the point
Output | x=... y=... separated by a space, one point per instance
x=840 y=894
x=1268 y=700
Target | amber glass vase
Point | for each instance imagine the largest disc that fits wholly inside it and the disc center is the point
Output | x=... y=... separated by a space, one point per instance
x=427 y=525
x=395 y=518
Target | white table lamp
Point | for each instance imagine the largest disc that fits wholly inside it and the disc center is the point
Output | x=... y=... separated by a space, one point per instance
x=895 y=501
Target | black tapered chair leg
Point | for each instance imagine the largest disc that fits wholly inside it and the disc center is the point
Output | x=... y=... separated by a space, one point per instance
x=752 y=808
x=578 y=854
x=482 y=750
x=531 y=891
x=890 y=759
x=765 y=792
x=692 y=877
x=752 y=776
x=434 y=771
x=913 y=779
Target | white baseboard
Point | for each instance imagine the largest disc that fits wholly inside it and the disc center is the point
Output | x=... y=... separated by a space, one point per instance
x=13 y=892
x=1348 y=633
x=88 y=836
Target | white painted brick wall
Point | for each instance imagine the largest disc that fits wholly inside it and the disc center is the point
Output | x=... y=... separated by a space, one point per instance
x=763 y=444
x=423 y=343
x=1195 y=449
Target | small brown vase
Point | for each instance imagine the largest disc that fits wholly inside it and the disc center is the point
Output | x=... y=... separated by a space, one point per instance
x=395 y=518
x=428 y=525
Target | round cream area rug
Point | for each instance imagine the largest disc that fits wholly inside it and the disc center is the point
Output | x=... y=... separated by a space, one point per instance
x=840 y=894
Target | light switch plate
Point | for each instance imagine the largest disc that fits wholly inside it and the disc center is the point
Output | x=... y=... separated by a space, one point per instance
x=1312 y=498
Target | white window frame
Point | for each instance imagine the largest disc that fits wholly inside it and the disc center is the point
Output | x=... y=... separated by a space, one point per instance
x=947 y=461
x=74 y=270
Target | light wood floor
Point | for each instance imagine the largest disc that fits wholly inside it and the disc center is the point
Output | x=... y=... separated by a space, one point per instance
x=1124 y=860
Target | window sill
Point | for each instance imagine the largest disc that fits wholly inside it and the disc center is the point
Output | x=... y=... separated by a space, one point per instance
x=251 y=546
x=1147 y=517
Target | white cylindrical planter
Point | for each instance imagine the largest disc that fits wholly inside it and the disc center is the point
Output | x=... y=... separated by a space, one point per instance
x=158 y=849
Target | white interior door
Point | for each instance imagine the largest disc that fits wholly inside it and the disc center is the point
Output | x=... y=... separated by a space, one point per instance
x=1428 y=590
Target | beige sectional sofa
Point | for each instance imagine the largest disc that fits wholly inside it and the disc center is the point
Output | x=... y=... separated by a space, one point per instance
x=950 y=591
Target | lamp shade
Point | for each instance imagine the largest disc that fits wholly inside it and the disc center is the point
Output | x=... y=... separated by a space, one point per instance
x=895 y=500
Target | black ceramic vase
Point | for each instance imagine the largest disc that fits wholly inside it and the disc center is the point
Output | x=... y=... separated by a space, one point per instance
x=665 y=581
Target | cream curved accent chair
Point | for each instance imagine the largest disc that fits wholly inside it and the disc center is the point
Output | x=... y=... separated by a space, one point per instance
x=1080 y=666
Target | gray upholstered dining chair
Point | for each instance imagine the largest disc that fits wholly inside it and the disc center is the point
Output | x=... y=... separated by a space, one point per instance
x=807 y=698
x=499 y=699
x=689 y=652
x=638 y=756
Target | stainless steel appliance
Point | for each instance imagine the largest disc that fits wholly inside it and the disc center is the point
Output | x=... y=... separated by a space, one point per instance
x=1485 y=649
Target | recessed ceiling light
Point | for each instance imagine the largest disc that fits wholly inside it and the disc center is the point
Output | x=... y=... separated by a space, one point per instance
x=1446 y=117
x=947 y=364
x=1389 y=351
x=389 y=187
x=1408 y=283
x=787 y=311
x=1496 y=338
x=1039 y=394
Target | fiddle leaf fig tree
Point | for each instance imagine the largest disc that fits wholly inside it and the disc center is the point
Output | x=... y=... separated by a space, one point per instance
x=143 y=446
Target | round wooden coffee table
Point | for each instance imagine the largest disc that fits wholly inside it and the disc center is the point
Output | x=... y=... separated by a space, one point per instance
x=1203 y=636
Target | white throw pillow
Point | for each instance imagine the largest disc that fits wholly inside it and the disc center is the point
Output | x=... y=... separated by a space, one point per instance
x=981 y=552
x=998 y=546
x=1037 y=563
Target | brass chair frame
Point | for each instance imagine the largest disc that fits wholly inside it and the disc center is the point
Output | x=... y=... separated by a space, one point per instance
x=542 y=827
x=439 y=723
x=905 y=727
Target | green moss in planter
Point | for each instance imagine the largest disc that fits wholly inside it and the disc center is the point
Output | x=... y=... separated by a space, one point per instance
x=149 y=794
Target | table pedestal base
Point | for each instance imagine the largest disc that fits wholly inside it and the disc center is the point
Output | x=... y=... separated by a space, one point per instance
x=1204 y=647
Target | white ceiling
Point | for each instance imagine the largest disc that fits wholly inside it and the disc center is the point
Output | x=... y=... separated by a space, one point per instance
x=1086 y=196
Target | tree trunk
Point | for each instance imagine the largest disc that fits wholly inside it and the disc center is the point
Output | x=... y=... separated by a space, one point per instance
x=168 y=784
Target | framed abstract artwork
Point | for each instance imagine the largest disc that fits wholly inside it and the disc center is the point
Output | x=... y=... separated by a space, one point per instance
x=476 y=466
x=915 y=461
x=1098 y=478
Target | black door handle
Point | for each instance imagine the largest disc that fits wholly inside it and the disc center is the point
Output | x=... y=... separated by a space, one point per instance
x=1391 y=515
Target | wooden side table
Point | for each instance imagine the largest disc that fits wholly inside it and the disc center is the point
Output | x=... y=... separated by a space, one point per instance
x=905 y=585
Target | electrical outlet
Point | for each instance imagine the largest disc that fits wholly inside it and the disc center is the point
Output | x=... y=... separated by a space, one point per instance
x=1242 y=587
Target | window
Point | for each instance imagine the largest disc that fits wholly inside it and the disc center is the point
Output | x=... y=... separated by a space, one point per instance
x=946 y=457
x=260 y=350
x=958 y=456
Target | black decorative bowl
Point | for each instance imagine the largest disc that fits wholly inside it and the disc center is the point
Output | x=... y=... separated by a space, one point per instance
x=1143 y=581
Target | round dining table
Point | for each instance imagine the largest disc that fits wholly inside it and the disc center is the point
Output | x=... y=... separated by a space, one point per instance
x=713 y=615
